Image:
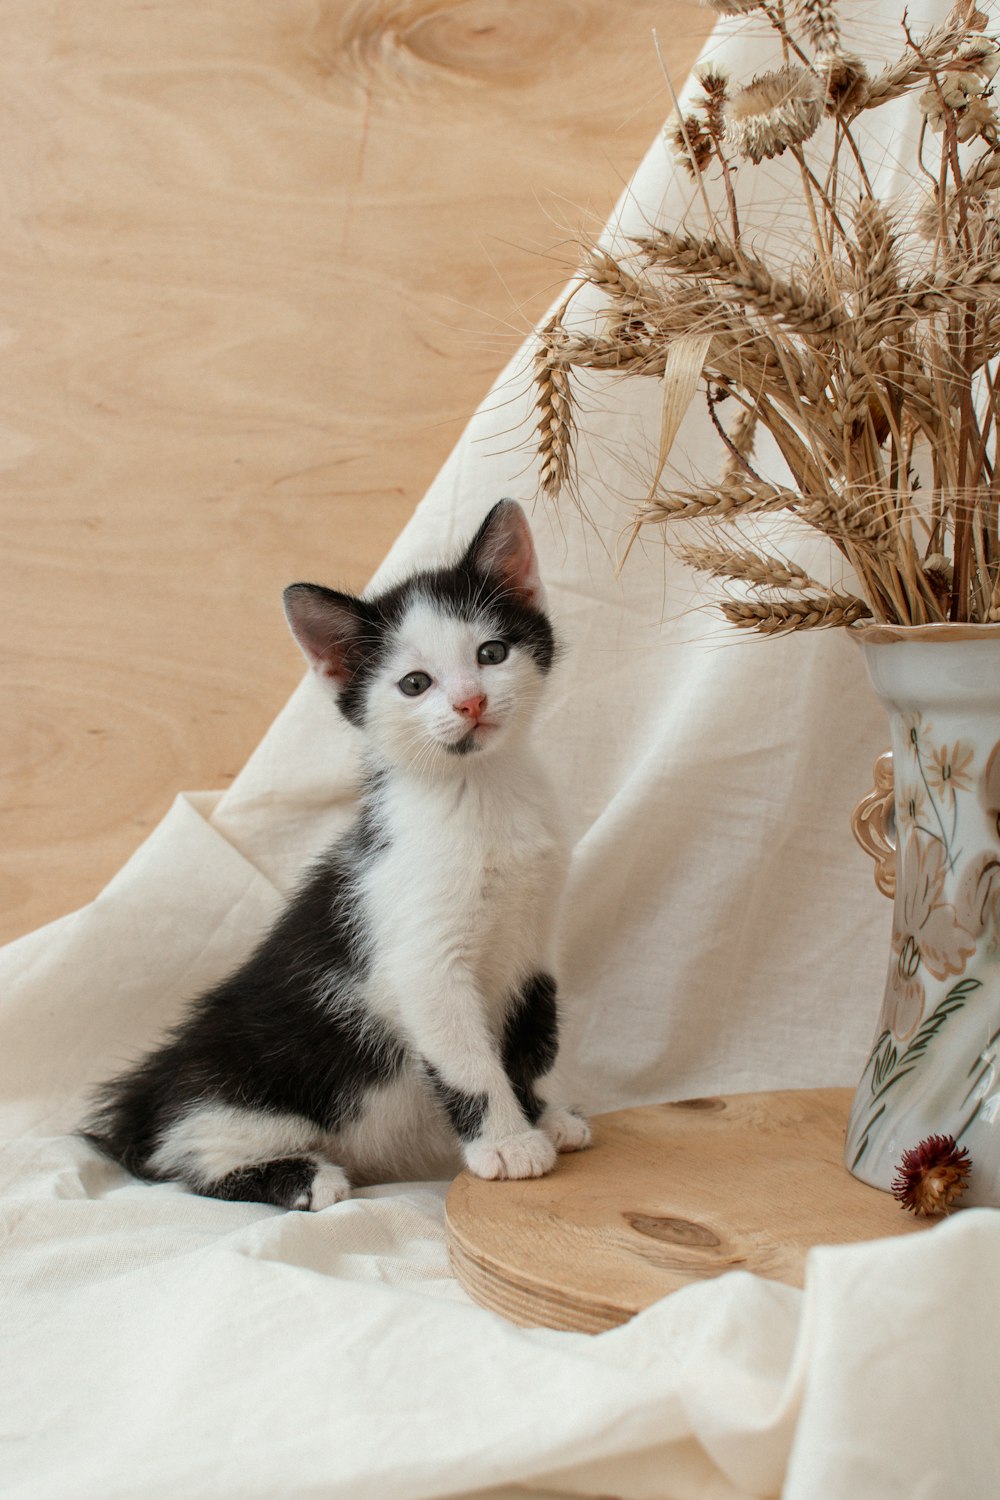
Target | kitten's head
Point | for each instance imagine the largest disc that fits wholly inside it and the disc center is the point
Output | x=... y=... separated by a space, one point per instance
x=449 y=663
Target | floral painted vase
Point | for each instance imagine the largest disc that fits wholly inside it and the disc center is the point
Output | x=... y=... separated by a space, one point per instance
x=932 y=824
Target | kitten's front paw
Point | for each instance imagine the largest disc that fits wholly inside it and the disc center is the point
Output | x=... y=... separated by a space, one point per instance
x=567 y=1130
x=329 y=1185
x=530 y=1154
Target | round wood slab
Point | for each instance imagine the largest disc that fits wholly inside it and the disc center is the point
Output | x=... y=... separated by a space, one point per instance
x=667 y=1194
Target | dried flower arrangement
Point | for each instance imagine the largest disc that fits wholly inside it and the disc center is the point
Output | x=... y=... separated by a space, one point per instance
x=868 y=356
x=932 y=1176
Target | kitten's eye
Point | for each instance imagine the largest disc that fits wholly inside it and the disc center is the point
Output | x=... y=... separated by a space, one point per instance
x=413 y=684
x=490 y=653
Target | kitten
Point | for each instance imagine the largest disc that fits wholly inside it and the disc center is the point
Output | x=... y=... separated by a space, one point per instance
x=401 y=1015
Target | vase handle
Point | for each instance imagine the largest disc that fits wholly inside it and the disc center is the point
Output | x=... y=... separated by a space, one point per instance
x=874 y=824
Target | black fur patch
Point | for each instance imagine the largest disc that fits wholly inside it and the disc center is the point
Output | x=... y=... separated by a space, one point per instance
x=531 y=1041
x=282 y=1034
x=281 y=1182
x=368 y=836
x=465 y=1111
x=465 y=746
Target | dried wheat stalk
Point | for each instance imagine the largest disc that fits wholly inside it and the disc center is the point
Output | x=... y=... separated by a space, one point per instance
x=759 y=569
x=554 y=404
x=858 y=355
x=738 y=497
x=779 y=616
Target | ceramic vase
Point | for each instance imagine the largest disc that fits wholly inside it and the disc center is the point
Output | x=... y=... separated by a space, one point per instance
x=932 y=824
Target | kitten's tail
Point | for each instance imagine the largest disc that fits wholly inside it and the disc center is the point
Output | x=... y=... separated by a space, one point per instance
x=122 y=1127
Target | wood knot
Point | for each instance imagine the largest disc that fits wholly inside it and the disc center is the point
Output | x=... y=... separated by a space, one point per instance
x=421 y=41
x=674 y=1231
x=707 y=1104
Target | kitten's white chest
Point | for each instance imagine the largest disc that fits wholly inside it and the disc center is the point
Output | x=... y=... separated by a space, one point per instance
x=509 y=865
x=471 y=877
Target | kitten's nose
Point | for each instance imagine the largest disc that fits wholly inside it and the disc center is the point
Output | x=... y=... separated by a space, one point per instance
x=471 y=708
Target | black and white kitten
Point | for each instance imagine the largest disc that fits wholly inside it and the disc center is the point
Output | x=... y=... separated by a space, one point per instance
x=401 y=1014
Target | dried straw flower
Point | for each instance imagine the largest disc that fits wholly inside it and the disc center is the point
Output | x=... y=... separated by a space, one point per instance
x=715 y=91
x=690 y=143
x=846 y=81
x=980 y=54
x=697 y=137
x=958 y=96
x=933 y=1176
x=713 y=77
x=939 y=574
x=774 y=111
x=978 y=118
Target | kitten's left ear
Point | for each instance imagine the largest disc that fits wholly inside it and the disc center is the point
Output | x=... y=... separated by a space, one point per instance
x=502 y=548
x=329 y=628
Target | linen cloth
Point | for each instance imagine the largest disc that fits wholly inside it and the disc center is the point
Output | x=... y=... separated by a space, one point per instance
x=720 y=932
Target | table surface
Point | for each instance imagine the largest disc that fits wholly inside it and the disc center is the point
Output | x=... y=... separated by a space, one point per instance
x=668 y=1194
x=261 y=263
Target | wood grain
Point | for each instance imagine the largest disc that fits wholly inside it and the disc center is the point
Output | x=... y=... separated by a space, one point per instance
x=259 y=264
x=668 y=1194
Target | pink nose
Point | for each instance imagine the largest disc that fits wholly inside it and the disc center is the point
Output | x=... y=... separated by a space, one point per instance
x=471 y=708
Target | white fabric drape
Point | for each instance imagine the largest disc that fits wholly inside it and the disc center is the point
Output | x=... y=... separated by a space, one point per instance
x=721 y=932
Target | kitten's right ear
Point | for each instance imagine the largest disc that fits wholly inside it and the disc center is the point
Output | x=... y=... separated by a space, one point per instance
x=328 y=628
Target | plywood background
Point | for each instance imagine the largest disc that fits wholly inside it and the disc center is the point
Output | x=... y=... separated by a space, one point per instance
x=259 y=261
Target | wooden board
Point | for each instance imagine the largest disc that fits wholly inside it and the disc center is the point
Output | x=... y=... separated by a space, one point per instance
x=259 y=263
x=668 y=1194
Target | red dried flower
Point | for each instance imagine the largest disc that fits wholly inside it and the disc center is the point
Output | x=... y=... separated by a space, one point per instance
x=932 y=1176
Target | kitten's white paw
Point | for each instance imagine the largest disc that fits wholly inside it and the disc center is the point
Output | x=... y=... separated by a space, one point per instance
x=330 y=1185
x=567 y=1130
x=530 y=1154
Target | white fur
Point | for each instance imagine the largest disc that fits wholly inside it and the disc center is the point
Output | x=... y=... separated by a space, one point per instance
x=212 y=1140
x=529 y=1154
x=402 y=1135
x=567 y=1130
x=329 y=1186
